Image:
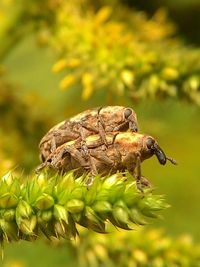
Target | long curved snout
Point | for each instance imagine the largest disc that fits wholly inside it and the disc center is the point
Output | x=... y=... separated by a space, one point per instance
x=162 y=158
x=159 y=154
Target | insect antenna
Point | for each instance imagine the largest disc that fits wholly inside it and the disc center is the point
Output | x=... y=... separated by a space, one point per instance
x=173 y=161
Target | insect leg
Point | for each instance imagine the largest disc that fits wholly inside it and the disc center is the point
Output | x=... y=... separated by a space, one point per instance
x=89 y=127
x=138 y=172
x=92 y=174
x=87 y=156
x=123 y=127
x=87 y=164
x=101 y=128
x=40 y=167
x=53 y=144
x=84 y=147
x=59 y=137
x=100 y=155
x=75 y=154
x=145 y=182
x=141 y=181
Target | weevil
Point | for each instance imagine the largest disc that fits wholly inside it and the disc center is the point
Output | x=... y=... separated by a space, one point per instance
x=100 y=121
x=125 y=151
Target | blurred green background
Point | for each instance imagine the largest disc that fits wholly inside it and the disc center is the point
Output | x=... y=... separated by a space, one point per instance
x=31 y=102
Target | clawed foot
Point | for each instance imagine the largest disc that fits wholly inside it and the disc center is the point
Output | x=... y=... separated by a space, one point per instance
x=40 y=167
x=143 y=183
x=89 y=181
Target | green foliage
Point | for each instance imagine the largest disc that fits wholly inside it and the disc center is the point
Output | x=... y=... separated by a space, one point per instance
x=118 y=51
x=138 y=57
x=54 y=205
x=21 y=17
x=21 y=128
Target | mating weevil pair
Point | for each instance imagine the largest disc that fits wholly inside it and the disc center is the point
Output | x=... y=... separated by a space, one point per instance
x=103 y=140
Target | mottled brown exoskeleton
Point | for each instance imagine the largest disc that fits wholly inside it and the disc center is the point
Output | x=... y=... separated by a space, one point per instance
x=93 y=121
x=125 y=151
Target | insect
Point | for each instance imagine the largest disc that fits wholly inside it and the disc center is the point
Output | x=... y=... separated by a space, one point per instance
x=125 y=151
x=93 y=121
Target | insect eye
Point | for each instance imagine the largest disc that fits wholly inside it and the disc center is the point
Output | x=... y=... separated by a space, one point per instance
x=150 y=142
x=127 y=112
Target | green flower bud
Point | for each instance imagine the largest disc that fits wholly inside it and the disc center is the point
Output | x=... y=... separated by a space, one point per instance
x=32 y=191
x=41 y=180
x=91 y=194
x=93 y=221
x=3 y=187
x=66 y=184
x=61 y=230
x=44 y=215
x=110 y=181
x=131 y=197
x=60 y=213
x=91 y=215
x=116 y=192
x=23 y=210
x=15 y=188
x=120 y=214
x=62 y=198
x=154 y=203
x=120 y=203
x=9 y=229
x=64 y=188
x=77 y=217
x=44 y=202
x=149 y=213
x=27 y=226
x=102 y=206
x=8 y=200
x=102 y=195
x=9 y=215
x=8 y=178
x=78 y=192
x=136 y=217
x=75 y=205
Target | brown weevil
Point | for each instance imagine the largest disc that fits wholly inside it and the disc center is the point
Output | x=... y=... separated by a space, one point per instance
x=93 y=121
x=125 y=151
